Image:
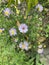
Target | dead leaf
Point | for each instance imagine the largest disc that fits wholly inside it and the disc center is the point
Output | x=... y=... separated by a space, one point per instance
x=18 y=23
x=41 y=39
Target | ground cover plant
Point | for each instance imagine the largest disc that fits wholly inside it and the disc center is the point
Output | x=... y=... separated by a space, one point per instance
x=23 y=31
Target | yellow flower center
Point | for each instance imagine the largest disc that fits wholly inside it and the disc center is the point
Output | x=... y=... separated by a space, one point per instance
x=17 y=11
x=0 y=31
x=38 y=8
x=6 y=12
x=23 y=46
x=44 y=46
x=12 y=32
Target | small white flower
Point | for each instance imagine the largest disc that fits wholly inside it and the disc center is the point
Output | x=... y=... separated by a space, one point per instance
x=40 y=46
x=23 y=28
x=40 y=51
x=40 y=19
x=12 y=32
x=24 y=45
x=16 y=40
x=19 y=2
x=1 y=30
x=39 y=7
x=7 y=12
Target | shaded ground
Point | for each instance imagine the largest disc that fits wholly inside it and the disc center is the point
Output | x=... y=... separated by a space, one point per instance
x=45 y=57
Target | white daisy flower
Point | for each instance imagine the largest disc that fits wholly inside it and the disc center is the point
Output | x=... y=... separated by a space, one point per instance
x=23 y=28
x=40 y=46
x=39 y=7
x=1 y=30
x=40 y=51
x=7 y=12
x=24 y=45
x=12 y=32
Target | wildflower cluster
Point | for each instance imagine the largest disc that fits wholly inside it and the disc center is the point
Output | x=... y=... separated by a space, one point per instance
x=22 y=35
x=22 y=27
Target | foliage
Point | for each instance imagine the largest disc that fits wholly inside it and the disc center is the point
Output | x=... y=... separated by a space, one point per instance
x=10 y=53
x=29 y=5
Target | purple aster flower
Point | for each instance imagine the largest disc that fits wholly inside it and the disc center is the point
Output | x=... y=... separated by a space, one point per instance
x=24 y=45
x=7 y=12
x=39 y=7
x=23 y=28
x=1 y=30
x=12 y=32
